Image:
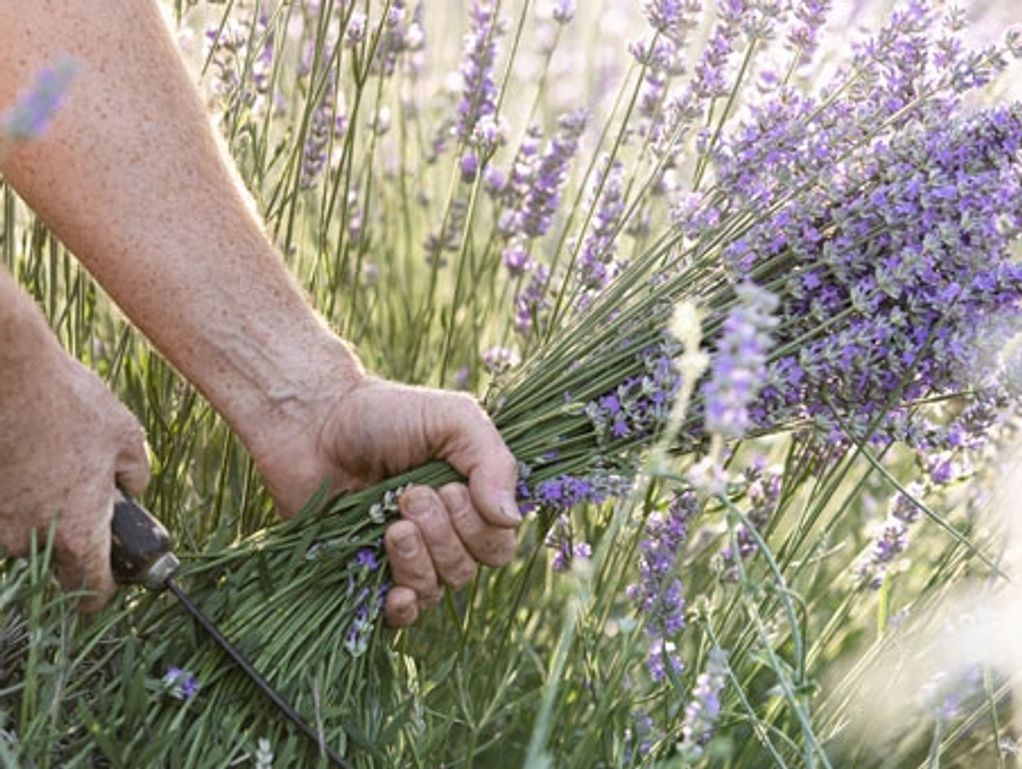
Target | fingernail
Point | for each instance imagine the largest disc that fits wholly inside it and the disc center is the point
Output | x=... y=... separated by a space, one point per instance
x=407 y=543
x=419 y=504
x=509 y=508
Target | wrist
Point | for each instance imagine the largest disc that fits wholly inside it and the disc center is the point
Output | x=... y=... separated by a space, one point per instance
x=29 y=352
x=267 y=386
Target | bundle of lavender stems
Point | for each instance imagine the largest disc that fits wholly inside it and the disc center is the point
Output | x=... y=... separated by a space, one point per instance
x=851 y=256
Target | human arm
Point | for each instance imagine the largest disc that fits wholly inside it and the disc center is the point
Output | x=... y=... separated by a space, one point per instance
x=133 y=180
x=67 y=444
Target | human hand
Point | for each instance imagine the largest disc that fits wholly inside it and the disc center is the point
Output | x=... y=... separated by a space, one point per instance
x=375 y=429
x=67 y=443
x=198 y=276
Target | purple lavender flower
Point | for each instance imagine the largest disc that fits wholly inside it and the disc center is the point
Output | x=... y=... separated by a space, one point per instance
x=762 y=490
x=262 y=62
x=180 y=683
x=355 y=33
x=892 y=538
x=367 y=559
x=543 y=198
x=899 y=239
x=564 y=11
x=469 y=167
x=566 y=549
x=531 y=303
x=246 y=43
x=448 y=238
x=803 y=37
x=360 y=631
x=517 y=260
x=596 y=260
x=563 y=492
x=401 y=34
x=479 y=91
x=657 y=596
x=662 y=657
x=711 y=78
x=328 y=123
x=703 y=709
x=1013 y=41
x=494 y=181
x=489 y=134
x=36 y=108
x=739 y=364
x=949 y=692
x=640 y=737
x=941 y=469
x=530 y=198
x=514 y=189
x=673 y=18
x=497 y=360
x=224 y=46
x=639 y=405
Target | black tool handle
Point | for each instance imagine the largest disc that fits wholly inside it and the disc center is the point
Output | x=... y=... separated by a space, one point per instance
x=140 y=550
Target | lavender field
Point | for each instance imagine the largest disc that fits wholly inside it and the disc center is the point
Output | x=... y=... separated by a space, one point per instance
x=740 y=284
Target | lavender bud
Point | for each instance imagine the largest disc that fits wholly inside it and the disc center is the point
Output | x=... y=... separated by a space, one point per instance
x=355 y=34
x=564 y=11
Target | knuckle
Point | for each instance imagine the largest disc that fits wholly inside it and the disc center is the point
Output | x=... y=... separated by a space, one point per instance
x=401 y=607
x=465 y=407
x=457 y=499
x=500 y=549
x=422 y=574
x=131 y=426
x=462 y=574
x=431 y=598
x=401 y=535
x=419 y=502
x=490 y=552
x=127 y=429
x=15 y=541
x=72 y=545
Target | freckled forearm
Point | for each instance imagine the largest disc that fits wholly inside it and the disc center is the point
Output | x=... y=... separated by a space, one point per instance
x=132 y=179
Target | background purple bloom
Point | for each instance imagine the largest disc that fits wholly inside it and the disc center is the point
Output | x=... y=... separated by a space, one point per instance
x=739 y=363
x=36 y=108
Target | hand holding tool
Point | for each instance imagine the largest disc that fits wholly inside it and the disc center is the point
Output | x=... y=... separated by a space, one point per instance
x=141 y=553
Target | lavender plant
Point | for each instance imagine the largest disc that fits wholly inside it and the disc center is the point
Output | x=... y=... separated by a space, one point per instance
x=851 y=253
x=849 y=246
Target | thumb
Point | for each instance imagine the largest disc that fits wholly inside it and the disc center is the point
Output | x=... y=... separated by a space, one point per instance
x=472 y=445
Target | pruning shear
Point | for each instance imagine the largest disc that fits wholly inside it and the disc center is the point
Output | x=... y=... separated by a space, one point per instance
x=142 y=553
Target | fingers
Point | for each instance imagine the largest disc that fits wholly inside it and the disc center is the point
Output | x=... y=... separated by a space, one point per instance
x=402 y=607
x=410 y=564
x=489 y=544
x=439 y=540
x=452 y=562
x=82 y=554
x=473 y=446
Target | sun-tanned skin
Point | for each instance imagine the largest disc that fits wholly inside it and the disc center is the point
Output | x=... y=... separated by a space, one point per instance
x=131 y=177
